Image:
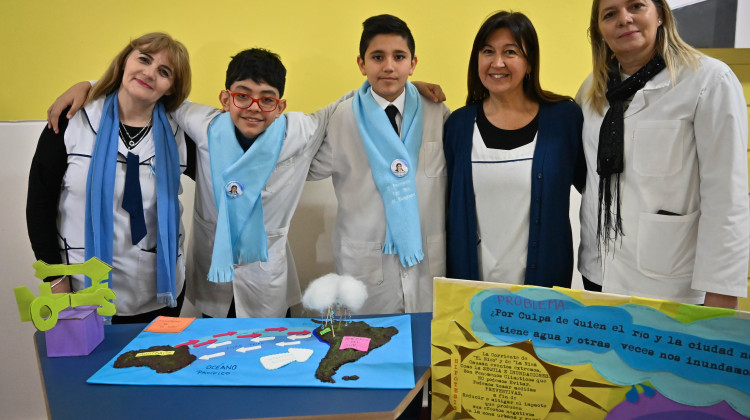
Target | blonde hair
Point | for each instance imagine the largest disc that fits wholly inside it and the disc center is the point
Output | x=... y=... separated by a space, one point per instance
x=673 y=49
x=150 y=43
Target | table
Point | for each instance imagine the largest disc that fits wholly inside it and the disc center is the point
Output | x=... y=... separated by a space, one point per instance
x=68 y=396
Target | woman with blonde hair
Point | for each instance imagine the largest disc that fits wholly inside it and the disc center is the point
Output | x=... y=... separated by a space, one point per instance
x=512 y=153
x=665 y=210
x=107 y=184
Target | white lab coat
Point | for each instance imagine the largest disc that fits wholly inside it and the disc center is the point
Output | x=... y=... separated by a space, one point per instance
x=359 y=232
x=134 y=266
x=260 y=289
x=685 y=152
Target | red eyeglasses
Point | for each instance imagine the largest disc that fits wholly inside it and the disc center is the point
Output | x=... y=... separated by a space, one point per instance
x=244 y=101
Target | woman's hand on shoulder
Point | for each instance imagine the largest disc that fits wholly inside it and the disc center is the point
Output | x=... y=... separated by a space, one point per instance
x=73 y=98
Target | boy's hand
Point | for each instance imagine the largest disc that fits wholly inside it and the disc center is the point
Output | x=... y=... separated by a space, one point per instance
x=73 y=97
x=721 y=301
x=61 y=285
x=430 y=91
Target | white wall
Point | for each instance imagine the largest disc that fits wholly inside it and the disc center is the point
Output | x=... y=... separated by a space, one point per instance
x=20 y=387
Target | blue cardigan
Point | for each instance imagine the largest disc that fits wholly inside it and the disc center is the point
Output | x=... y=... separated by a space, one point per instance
x=557 y=164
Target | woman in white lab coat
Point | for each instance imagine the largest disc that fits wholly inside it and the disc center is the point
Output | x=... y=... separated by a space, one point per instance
x=106 y=184
x=665 y=210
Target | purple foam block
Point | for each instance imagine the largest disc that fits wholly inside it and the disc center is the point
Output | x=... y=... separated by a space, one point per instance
x=77 y=333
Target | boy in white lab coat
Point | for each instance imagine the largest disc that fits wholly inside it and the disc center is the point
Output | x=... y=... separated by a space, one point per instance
x=389 y=175
x=247 y=189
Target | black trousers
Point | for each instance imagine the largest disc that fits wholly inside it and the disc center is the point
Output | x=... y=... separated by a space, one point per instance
x=590 y=285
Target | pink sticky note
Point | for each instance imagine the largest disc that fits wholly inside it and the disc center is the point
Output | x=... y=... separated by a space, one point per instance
x=356 y=343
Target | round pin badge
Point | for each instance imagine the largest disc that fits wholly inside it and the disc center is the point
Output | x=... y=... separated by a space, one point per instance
x=234 y=189
x=399 y=168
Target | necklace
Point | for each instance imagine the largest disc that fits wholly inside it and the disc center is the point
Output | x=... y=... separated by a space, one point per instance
x=132 y=140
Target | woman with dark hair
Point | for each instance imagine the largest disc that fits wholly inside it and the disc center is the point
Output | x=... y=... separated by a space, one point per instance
x=665 y=211
x=107 y=184
x=513 y=153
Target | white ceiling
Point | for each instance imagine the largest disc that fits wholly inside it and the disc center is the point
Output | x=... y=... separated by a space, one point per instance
x=676 y=4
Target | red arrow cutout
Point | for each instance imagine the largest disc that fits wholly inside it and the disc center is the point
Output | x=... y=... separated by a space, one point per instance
x=191 y=342
x=298 y=332
x=276 y=329
x=225 y=334
x=211 y=341
x=253 y=335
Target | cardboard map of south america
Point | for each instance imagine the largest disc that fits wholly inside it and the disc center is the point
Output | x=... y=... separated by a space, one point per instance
x=360 y=353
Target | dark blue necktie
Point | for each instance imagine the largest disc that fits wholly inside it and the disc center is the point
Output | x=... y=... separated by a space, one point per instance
x=132 y=200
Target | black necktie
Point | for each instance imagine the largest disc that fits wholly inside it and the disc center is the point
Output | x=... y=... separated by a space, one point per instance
x=132 y=200
x=392 y=111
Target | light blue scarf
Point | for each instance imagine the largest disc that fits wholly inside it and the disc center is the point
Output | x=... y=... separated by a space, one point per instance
x=403 y=234
x=240 y=231
x=100 y=187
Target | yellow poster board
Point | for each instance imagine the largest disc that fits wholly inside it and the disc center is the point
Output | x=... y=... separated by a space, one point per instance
x=523 y=352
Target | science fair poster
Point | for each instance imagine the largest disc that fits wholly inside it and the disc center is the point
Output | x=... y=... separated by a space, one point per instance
x=519 y=352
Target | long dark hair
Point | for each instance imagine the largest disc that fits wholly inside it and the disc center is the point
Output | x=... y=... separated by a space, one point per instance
x=525 y=36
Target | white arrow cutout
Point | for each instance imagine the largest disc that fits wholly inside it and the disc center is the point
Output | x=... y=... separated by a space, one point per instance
x=288 y=343
x=211 y=356
x=244 y=349
x=275 y=361
x=259 y=339
x=219 y=344
x=301 y=354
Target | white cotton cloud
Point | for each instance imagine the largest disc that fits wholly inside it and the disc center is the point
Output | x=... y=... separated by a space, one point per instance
x=352 y=293
x=333 y=288
x=321 y=293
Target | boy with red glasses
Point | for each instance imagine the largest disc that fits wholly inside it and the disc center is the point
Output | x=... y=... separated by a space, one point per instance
x=252 y=162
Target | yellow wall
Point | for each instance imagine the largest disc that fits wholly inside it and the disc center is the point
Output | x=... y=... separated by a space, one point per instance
x=46 y=45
